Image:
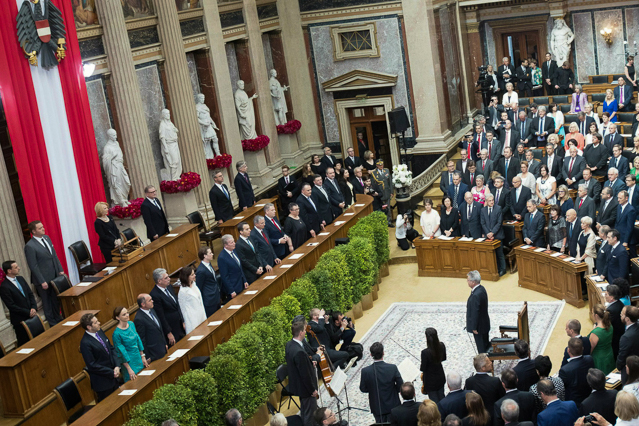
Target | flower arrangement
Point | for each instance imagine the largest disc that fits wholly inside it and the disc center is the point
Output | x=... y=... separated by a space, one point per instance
x=402 y=176
x=132 y=211
x=293 y=126
x=187 y=182
x=256 y=144
x=221 y=161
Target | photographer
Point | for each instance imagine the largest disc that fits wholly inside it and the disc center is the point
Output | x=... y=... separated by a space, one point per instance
x=404 y=230
x=341 y=329
x=318 y=322
x=493 y=111
x=487 y=83
x=626 y=410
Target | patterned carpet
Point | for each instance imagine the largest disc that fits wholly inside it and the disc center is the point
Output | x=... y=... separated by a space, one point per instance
x=401 y=330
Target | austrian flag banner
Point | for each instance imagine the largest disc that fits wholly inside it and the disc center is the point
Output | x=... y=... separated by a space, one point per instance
x=45 y=101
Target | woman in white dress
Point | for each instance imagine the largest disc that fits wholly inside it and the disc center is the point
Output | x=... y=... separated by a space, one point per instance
x=586 y=249
x=527 y=179
x=190 y=300
x=510 y=97
x=430 y=220
x=546 y=187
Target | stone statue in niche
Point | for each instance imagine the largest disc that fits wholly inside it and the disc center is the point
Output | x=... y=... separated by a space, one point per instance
x=170 y=148
x=113 y=165
x=279 y=101
x=245 y=112
x=207 y=128
x=560 y=40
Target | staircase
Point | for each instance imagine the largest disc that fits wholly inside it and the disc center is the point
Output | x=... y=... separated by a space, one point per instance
x=433 y=192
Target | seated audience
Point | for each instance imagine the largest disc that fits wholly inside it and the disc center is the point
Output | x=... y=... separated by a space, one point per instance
x=477 y=413
x=526 y=372
x=128 y=344
x=404 y=231
x=488 y=387
x=586 y=249
x=449 y=221
x=340 y=328
x=406 y=414
x=431 y=366
x=295 y=227
x=318 y=321
x=428 y=414
x=575 y=371
x=556 y=234
x=557 y=412
x=99 y=357
x=526 y=404
x=430 y=220
x=149 y=328
x=509 y=412
x=629 y=342
x=601 y=340
x=600 y=400
x=543 y=365
x=190 y=299
x=573 y=329
x=455 y=401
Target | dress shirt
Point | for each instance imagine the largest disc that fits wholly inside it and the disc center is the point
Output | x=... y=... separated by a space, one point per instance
x=248 y=241
x=322 y=189
x=153 y=317
x=232 y=254
x=224 y=191
x=154 y=201
x=623 y=206
x=631 y=190
x=43 y=242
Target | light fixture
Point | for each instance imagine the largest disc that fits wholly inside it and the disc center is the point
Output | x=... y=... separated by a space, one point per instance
x=87 y=69
x=606 y=33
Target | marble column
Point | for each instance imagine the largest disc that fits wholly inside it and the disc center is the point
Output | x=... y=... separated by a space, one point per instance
x=128 y=102
x=428 y=90
x=182 y=99
x=472 y=55
x=298 y=71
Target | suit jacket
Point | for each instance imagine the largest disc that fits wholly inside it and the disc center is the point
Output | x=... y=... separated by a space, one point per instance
x=610 y=140
x=556 y=167
x=602 y=402
x=382 y=382
x=628 y=345
x=492 y=223
x=471 y=226
x=453 y=403
x=250 y=258
x=222 y=206
x=559 y=413
x=514 y=139
x=587 y=208
x=503 y=202
x=534 y=166
x=321 y=332
x=231 y=273
x=335 y=196
x=524 y=129
x=524 y=78
x=274 y=235
x=625 y=223
x=302 y=376
x=574 y=375
x=329 y=162
x=501 y=70
x=19 y=306
x=209 y=287
x=488 y=387
x=534 y=228
x=616 y=187
x=548 y=70
x=154 y=219
x=594 y=190
x=323 y=204
x=618 y=328
x=621 y=164
x=485 y=169
x=169 y=312
x=468 y=179
x=405 y=414
x=152 y=335
x=527 y=408
x=572 y=241
x=244 y=190
x=634 y=200
x=609 y=215
x=597 y=156
x=463 y=188
x=627 y=95
x=351 y=164
x=100 y=363
x=494 y=151
x=526 y=374
x=293 y=187
x=309 y=214
x=443 y=182
x=358 y=188
x=576 y=173
x=519 y=206
x=601 y=265
x=513 y=169
x=549 y=127
x=263 y=246
x=583 y=127
x=477 y=311
x=44 y=265
x=587 y=348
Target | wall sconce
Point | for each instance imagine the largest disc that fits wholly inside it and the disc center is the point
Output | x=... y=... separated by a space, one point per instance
x=606 y=33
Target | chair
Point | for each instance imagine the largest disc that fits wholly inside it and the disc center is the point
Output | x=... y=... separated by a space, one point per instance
x=282 y=374
x=598 y=97
x=61 y=284
x=503 y=348
x=33 y=326
x=129 y=234
x=599 y=79
x=205 y=235
x=82 y=256
x=616 y=77
x=571 y=118
x=543 y=100
x=565 y=108
x=524 y=102
x=69 y=396
x=509 y=242
x=626 y=117
x=560 y=99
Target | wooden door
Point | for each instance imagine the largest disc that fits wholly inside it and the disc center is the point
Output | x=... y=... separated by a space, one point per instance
x=361 y=120
x=521 y=45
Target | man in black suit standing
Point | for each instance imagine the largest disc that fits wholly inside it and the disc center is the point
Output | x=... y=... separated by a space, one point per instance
x=322 y=201
x=406 y=414
x=575 y=371
x=149 y=328
x=524 y=400
x=541 y=127
x=573 y=228
x=553 y=161
x=262 y=243
x=548 y=69
x=334 y=193
x=483 y=383
x=287 y=188
x=505 y=73
x=573 y=329
x=309 y=212
x=619 y=258
x=534 y=223
x=493 y=110
x=612 y=138
x=252 y=264
x=470 y=212
x=524 y=79
x=206 y=282
x=455 y=401
x=328 y=160
x=477 y=319
x=583 y=123
x=351 y=161
x=614 y=308
x=573 y=168
x=600 y=401
x=508 y=167
x=509 y=137
x=593 y=187
x=519 y=196
x=358 y=182
x=243 y=186
x=275 y=231
x=167 y=307
x=153 y=215
x=491 y=221
x=607 y=209
x=522 y=124
x=584 y=205
x=382 y=382
x=18 y=298
x=100 y=358
x=525 y=368
x=623 y=94
x=457 y=190
x=446 y=179
x=302 y=375
x=220 y=198
x=629 y=342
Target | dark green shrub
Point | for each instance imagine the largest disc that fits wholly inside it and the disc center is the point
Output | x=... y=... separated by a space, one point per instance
x=181 y=401
x=230 y=377
x=305 y=292
x=335 y=265
x=204 y=391
x=360 y=257
x=278 y=330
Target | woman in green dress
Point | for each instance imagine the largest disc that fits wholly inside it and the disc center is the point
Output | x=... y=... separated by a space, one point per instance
x=601 y=340
x=128 y=344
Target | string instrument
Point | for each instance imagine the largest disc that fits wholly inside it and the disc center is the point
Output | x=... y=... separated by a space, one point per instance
x=326 y=366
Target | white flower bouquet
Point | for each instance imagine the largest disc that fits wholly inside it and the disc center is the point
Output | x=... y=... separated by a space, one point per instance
x=402 y=176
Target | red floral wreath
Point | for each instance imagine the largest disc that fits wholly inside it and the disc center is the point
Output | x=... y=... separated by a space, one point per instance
x=221 y=161
x=256 y=144
x=131 y=212
x=289 y=128
x=187 y=182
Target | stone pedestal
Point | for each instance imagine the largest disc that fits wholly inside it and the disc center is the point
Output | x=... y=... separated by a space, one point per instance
x=177 y=206
x=258 y=170
x=136 y=224
x=289 y=146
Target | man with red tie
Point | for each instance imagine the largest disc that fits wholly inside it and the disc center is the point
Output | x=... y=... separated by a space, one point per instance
x=263 y=244
x=357 y=181
x=275 y=232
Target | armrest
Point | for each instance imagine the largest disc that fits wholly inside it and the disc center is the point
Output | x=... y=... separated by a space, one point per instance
x=513 y=242
x=505 y=328
x=502 y=340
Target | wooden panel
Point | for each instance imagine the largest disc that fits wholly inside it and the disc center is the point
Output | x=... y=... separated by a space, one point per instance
x=455 y=258
x=181 y=252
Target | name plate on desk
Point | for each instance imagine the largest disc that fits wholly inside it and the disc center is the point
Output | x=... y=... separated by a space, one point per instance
x=25 y=351
x=285 y=266
x=527 y=246
x=214 y=323
x=234 y=307
x=146 y=373
x=443 y=237
x=349 y=214
x=596 y=278
x=540 y=249
x=568 y=259
x=71 y=323
x=128 y=392
x=465 y=239
x=172 y=235
x=360 y=205
x=555 y=254
x=83 y=284
x=251 y=292
x=479 y=240
x=260 y=205
x=177 y=354
x=296 y=256
x=194 y=338
x=322 y=234
x=238 y=217
x=339 y=222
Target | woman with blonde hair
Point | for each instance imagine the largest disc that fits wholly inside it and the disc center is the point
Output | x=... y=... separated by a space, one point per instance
x=527 y=179
x=477 y=413
x=107 y=231
x=601 y=339
x=369 y=161
x=510 y=97
x=428 y=414
x=586 y=249
x=611 y=106
x=308 y=176
x=564 y=200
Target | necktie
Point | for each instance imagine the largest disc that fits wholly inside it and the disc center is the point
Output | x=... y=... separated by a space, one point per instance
x=572 y=161
x=630 y=194
x=286 y=180
x=530 y=219
x=581 y=201
x=621 y=97
x=517 y=191
x=246 y=178
x=497 y=196
x=335 y=185
x=250 y=244
x=362 y=183
x=570 y=231
x=522 y=128
x=472 y=178
x=506 y=171
x=541 y=126
x=490 y=148
x=470 y=211
x=583 y=127
x=264 y=236
x=455 y=204
x=312 y=203
x=17 y=284
x=483 y=165
x=168 y=294
x=46 y=246
x=450 y=178
x=156 y=204
x=276 y=225
x=490 y=210
x=225 y=192
x=235 y=257
x=154 y=318
x=97 y=335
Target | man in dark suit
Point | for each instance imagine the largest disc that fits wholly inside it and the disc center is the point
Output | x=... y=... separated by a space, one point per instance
x=525 y=368
x=44 y=264
x=629 y=342
x=534 y=223
x=153 y=215
x=493 y=147
x=600 y=401
x=612 y=138
x=100 y=358
x=618 y=161
x=471 y=173
x=462 y=163
x=246 y=249
x=524 y=79
x=508 y=167
x=533 y=164
x=262 y=243
x=220 y=198
x=607 y=209
x=619 y=257
x=573 y=329
x=457 y=190
x=167 y=307
x=573 y=168
x=233 y=279
x=483 y=383
x=614 y=182
x=477 y=319
x=553 y=161
x=309 y=212
x=625 y=223
x=596 y=156
x=302 y=375
x=541 y=127
x=573 y=228
x=287 y=188
x=633 y=191
x=470 y=212
x=505 y=74
x=614 y=308
x=548 y=69
x=18 y=298
x=502 y=197
x=455 y=401
x=623 y=94
x=149 y=328
x=510 y=414
x=564 y=79
x=335 y=194
x=583 y=123
x=243 y=187
x=593 y=187
x=493 y=111
x=557 y=412
x=328 y=160
x=206 y=282
x=322 y=201
x=484 y=166
x=382 y=382
x=519 y=196
x=351 y=161
x=275 y=231
x=525 y=400
x=522 y=124
x=445 y=181
x=358 y=181
x=574 y=373
x=509 y=137
x=406 y=414
x=584 y=205
x=499 y=128
x=491 y=221
x=478 y=142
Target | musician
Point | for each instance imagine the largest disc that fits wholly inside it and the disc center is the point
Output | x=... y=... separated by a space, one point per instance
x=382 y=382
x=302 y=376
x=318 y=322
x=341 y=328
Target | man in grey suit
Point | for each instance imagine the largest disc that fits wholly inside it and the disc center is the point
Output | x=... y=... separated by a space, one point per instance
x=491 y=219
x=484 y=165
x=447 y=176
x=533 y=165
x=584 y=205
x=45 y=266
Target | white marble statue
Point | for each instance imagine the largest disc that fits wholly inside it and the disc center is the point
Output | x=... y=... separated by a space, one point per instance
x=113 y=165
x=560 y=40
x=170 y=149
x=245 y=112
x=207 y=128
x=279 y=101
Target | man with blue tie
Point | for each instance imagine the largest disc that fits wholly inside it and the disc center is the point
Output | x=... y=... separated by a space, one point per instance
x=18 y=298
x=457 y=190
x=246 y=249
x=233 y=279
x=625 y=223
x=206 y=282
x=542 y=126
x=534 y=223
x=491 y=220
x=618 y=259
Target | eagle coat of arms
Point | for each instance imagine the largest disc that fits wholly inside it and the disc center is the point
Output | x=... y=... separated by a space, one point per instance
x=41 y=32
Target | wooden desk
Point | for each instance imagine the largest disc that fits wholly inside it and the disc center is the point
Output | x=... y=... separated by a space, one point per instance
x=28 y=378
x=596 y=294
x=230 y=226
x=122 y=286
x=114 y=410
x=550 y=275
x=455 y=258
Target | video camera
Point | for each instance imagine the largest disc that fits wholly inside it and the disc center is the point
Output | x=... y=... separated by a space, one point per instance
x=484 y=83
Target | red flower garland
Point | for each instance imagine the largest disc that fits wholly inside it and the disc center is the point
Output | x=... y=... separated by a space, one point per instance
x=187 y=182
x=221 y=161
x=131 y=212
x=256 y=144
x=289 y=128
